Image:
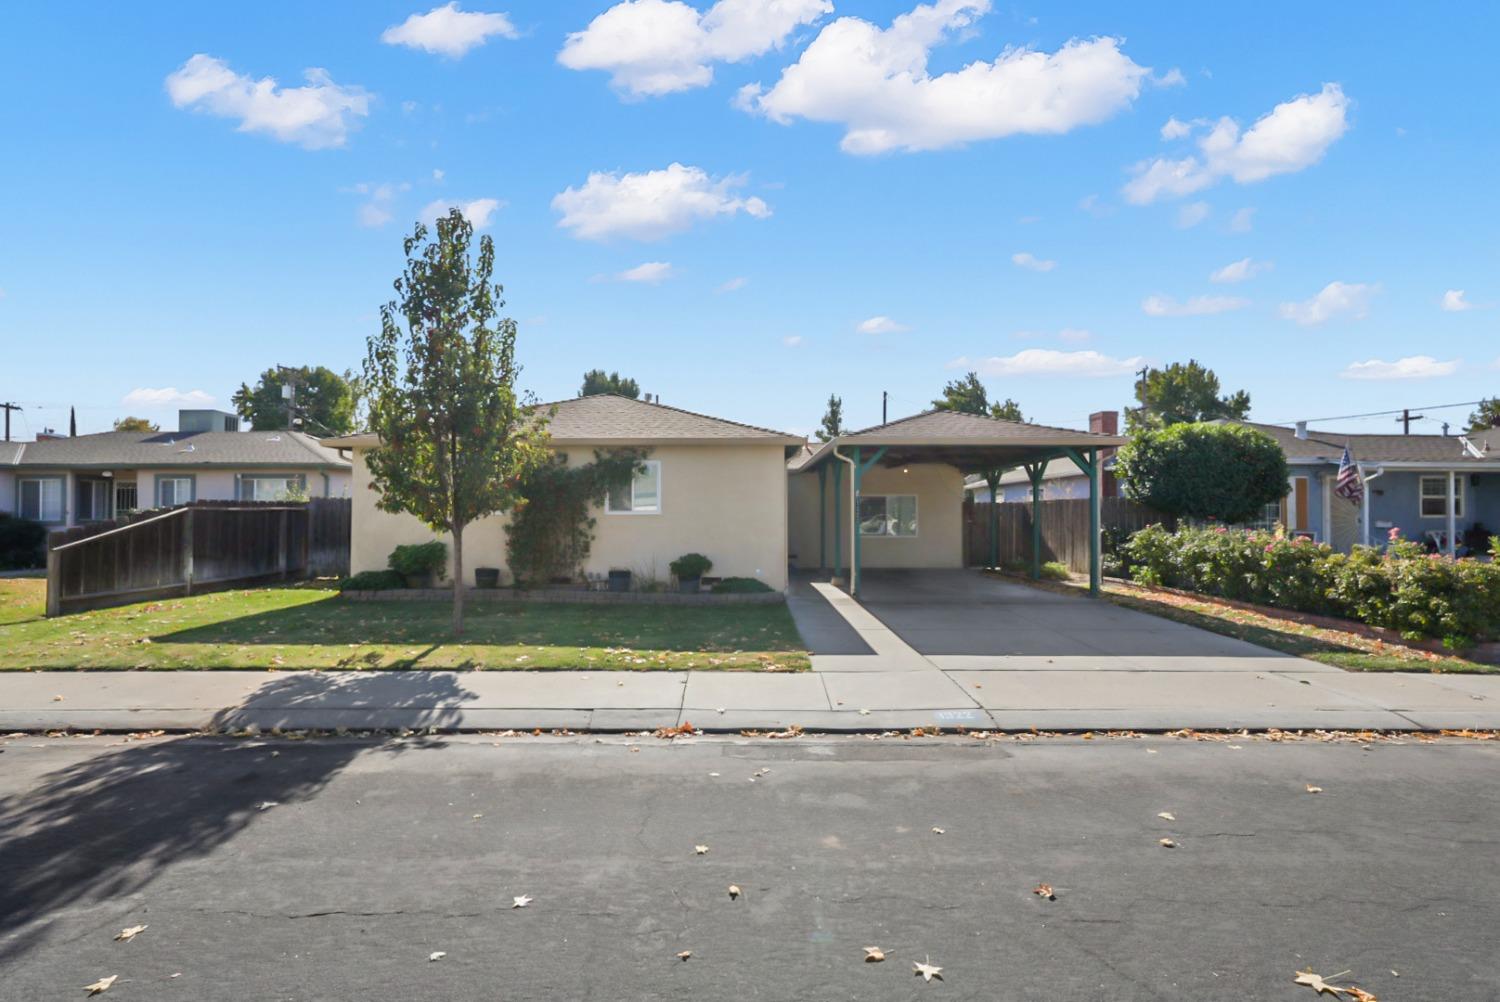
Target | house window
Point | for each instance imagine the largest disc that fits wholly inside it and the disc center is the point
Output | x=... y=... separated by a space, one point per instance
x=1435 y=497
x=644 y=496
x=93 y=500
x=270 y=488
x=887 y=514
x=1270 y=518
x=173 y=491
x=41 y=499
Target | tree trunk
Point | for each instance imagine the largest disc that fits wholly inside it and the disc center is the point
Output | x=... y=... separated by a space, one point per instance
x=458 y=580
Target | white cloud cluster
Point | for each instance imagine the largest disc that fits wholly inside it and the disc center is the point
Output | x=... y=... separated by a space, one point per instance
x=1411 y=367
x=1197 y=306
x=1291 y=137
x=881 y=325
x=1336 y=299
x=376 y=209
x=448 y=31
x=478 y=211
x=1454 y=301
x=1192 y=214
x=652 y=204
x=1239 y=271
x=1050 y=362
x=734 y=284
x=1031 y=262
x=316 y=116
x=653 y=47
x=650 y=273
x=874 y=82
x=166 y=396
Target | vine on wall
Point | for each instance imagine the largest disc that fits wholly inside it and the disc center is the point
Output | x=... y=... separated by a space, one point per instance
x=551 y=528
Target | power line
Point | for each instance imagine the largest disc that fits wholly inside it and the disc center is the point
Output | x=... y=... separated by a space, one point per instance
x=1373 y=414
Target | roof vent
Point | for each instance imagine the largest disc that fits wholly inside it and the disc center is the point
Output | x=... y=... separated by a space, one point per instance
x=1302 y=429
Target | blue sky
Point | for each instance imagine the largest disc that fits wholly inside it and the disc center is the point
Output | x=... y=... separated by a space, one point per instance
x=869 y=196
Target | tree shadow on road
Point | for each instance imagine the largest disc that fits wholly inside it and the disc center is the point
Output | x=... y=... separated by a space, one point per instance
x=109 y=825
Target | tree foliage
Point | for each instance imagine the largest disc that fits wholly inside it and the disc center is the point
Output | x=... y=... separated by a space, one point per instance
x=1183 y=393
x=833 y=419
x=1487 y=415
x=598 y=381
x=1225 y=472
x=551 y=528
x=456 y=440
x=136 y=424
x=325 y=401
x=969 y=396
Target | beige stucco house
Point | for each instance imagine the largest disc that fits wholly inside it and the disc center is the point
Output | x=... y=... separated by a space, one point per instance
x=757 y=502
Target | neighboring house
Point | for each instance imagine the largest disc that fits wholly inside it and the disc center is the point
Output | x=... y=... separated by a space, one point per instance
x=1061 y=480
x=66 y=481
x=711 y=486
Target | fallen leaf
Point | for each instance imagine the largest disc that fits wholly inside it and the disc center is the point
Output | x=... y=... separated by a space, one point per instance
x=1314 y=789
x=1359 y=995
x=126 y=935
x=266 y=805
x=1167 y=843
x=734 y=891
x=1044 y=891
x=1317 y=983
x=864 y=713
x=874 y=954
x=436 y=955
x=522 y=901
x=701 y=850
x=1167 y=816
x=938 y=831
x=684 y=955
x=713 y=775
x=926 y=971
x=102 y=985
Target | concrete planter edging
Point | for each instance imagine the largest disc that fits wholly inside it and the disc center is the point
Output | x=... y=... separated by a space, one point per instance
x=566 y=596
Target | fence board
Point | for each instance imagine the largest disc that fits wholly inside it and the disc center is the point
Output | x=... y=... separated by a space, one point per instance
x=1065 y=529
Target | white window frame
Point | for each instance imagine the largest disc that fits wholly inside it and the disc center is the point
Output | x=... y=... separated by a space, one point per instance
x=1442 y=481
x=41 y=500
x=286 y=480
x=163 y=479
x=885 y=533
x=610 y=509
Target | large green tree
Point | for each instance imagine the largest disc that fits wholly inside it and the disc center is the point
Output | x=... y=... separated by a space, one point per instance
x=1487 y=416
x=833 y=419
x=598 y=381
x=969 y=396
x=135 y=424
x=323 y=402
x=1183 y=393
x=1225 y=472
x=456 y=439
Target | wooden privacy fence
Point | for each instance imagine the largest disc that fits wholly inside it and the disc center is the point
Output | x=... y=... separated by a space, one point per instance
x=1065 y=529
x=198 y=547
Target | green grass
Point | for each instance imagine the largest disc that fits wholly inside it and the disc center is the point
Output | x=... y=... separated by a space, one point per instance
x=310 y=626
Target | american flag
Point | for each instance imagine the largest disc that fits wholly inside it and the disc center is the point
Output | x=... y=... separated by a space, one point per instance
x=1349 y=485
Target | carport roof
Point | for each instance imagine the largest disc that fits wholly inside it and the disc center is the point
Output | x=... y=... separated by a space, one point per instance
x=968 y=441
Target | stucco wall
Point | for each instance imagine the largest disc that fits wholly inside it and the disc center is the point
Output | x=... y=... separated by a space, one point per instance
x=939 y=489
x=726 y=502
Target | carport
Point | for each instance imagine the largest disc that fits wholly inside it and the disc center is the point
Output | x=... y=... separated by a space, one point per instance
x=965 y=443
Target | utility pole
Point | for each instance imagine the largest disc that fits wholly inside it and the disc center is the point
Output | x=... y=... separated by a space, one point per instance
x=289 y=392
x=8 y=407
x=1406 y=418
x=884 y=396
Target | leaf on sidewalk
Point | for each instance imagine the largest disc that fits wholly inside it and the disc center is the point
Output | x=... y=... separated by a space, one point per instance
x=126 y=935
x=1314 y=789
x=734 y=891
x=939 y=831
x=926 y=970
x=684 y=955
x=1166 y=843
x=436 y=955
x=874 y=954
x=266 y=805
x=522 y=901
x=1167 y=816
x=1044 y=891
x=701 y=850
x=102 y=985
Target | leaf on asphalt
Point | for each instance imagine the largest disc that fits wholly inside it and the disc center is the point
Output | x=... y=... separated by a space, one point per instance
x=1044 y=891
x=436 y=955
x=1167 y=816
x=522 y=901
x=701 y=850
x=126 y=935
x=1318 y=983
x=102 y=985
x=939 y=831
x=734 y=891
x=926 y=970
x=266 y=805
x=1314 y=789
x=1359 y=995
x=1166 y=843
x=874 y=954
x=684 y=955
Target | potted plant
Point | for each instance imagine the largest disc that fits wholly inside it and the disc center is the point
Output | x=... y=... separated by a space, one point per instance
x=420 y=563
x=689 y=570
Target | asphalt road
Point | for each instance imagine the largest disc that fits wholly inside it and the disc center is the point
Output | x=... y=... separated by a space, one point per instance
x=377 y=854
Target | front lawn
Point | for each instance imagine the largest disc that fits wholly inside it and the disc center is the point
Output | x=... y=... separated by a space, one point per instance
x=310 y=626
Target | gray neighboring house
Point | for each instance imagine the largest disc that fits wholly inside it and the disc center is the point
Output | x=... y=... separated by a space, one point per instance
x=62 y=481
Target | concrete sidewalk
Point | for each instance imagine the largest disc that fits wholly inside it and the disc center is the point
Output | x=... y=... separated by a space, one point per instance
x=1286 y=693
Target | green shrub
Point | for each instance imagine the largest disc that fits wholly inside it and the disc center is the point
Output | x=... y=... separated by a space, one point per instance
x=372 y=581
x=417 y=559
x=691 y=565
x=740 y=586
x=1056 y=570
x=1225 y=472
x=23 y=543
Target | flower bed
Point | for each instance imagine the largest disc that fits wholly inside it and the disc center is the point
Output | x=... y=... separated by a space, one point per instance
x=1401 y=589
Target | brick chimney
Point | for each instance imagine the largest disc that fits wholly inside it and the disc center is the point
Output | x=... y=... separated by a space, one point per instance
x=1106 y=423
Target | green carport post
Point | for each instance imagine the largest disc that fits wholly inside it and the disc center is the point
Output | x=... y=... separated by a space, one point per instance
x=857 y=478
x=822 y=519
x=1035 y=471
x=838 y=552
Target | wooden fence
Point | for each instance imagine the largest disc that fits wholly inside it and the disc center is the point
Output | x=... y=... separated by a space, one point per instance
x=1065 y=529
x=198 y=547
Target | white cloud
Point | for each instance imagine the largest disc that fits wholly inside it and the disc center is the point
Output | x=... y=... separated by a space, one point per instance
x=1242 y=221
x=437 y=175
x=167 y=396
x=1197 y=306
x=316 y=116
x=650 y=273
x=651 y=205
x=1454 y=301
x=1175 y=129
x=376 y=209
x=1050 y=362
x=1412 y=367
x=477 y=211
x=1337 y=299
x=1074 y=335
x=1094 y=207
x=654 y=47
x=1291 y=137
x=881 y=325
x=1239 y=271
x=448 y=31
x=734 y=284
x=874 y=82
x=1031 y=262
x=1192 y=214
x=792 y=341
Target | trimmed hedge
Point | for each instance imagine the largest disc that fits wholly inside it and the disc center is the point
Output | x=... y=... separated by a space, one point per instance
x=740 y=586
x=23 y=543
x=373 y=581
x=1402 y=589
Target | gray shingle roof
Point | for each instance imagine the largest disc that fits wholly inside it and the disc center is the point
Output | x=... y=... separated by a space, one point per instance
x=279 y=449
x=946 y=426
x=1327 y=446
